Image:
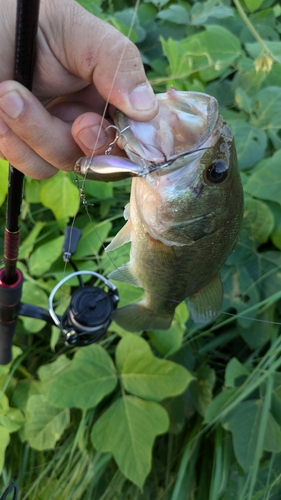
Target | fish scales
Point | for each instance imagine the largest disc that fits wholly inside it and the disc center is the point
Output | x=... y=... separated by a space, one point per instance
x=185 y=210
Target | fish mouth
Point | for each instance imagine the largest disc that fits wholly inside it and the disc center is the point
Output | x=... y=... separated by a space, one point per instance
x=185 y=124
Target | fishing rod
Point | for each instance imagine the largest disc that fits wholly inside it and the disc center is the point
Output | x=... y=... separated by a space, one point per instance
x=11 y=278
x=89 y=313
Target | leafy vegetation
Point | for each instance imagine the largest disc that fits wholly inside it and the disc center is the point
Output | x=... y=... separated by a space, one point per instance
x=190 y=413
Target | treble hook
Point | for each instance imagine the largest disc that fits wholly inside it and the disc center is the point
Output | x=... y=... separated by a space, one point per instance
x=118 y=135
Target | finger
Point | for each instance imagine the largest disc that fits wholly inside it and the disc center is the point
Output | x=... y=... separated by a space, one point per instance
x=97 y=52
x=34 y=141
x=87 y=131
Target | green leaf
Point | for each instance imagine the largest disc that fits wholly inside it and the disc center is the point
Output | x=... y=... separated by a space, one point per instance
x=250 y=142
x=10 y=418
x=61 y=196
x=256 y=50
x=48 y=373
x=89 y=379
x=258 y=220
x=244 y=423
x=92 y=239
x=32 y=188
x=267 y=107
x=201 y=389
x=276 y=233
x=253 y=4
x=218 y=405
x=167 y=341
x=201 y=12
x=272 y=438
x=23 y=391
x=265 y=182
x=45 y=255
x=29 y=242
x=99 y=190
x=175 y=14
x=34 y=295
x=4 y=441
x=146 y=376
x=234 y=369
x=209 y=53
x=4 y=168
x=45 y=423
x=128 y=430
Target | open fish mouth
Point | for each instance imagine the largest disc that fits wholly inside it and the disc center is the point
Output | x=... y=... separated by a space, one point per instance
x=185 y=123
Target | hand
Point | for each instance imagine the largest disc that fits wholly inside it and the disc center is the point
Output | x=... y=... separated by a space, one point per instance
x=81 y=63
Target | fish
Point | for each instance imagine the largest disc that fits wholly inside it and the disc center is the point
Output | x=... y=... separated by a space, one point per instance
x=185 y=210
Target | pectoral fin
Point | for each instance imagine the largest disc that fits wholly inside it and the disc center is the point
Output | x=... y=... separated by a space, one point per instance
x=205 y=305
x=127 y=211
x=124 y=274
x=124 y=236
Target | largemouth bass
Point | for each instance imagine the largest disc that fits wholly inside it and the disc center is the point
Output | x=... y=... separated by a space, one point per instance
x=185 y=209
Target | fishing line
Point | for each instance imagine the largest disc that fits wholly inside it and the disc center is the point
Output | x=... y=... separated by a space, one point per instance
x=152 y=169
x=113 y=82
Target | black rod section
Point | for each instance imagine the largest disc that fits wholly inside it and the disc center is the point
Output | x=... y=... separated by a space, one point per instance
x=26 y=30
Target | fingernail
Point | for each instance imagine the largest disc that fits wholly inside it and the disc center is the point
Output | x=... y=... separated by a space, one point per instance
x=3 y=127
x=93 y=137
x=142 y=98
x=12 y=104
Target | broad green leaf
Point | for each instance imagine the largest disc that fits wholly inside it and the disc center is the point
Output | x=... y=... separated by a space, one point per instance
x=45 y=423
x=265 y=182
x=175 y=14
x=218 y=405
x=32 y=188
x=244 y=423
x=169 y=341
x=250 y=143
x=272 y=438
x=276 y=233
x=99 y=190
x=10 y=418
x=267 y=107
x=45 y=255
x=256 y=50
x=29 y=242
x=177 y=412
x=258 y=220
x=147 y=376
x=92 y=239
x=48 y=373
x=4 y=441
x=157 y=3
x=234 y=369
x=89 y=379
x=34 y=295
x=5 y=369
x=60 y=195
x=243 y=102
x=253 y=4
x=4 y=168
x=209 y=52
x=241 y=291
x=201 y=389
x=201 y=12
x=128 y=430
x=23 y=391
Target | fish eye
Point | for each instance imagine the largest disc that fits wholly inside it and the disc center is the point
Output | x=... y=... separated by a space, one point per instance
x=216 y=172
